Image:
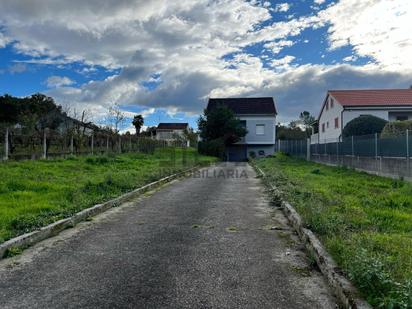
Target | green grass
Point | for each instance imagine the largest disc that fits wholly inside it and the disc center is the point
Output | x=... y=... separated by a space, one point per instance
x=36 y=193
x=364 y=221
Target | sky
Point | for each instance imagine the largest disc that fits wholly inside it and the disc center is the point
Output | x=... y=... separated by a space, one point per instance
x=163 y=59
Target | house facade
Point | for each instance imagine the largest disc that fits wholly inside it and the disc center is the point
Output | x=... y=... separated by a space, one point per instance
x=171 y=132
x=342 y=106
x=258 y=115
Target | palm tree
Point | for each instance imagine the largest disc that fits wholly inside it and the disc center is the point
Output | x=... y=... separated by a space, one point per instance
x=138 y=122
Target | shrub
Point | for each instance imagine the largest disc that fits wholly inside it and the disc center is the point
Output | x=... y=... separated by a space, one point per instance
x=396 y=128
x=252 y=154
x=214 y=148
x=364 y=125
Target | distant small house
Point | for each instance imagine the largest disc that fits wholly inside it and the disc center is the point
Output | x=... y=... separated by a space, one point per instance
x=258 y=115
x=170 y=132
x=342 y=106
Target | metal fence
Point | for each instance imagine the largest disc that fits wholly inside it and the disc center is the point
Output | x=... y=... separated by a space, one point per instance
x=382 y=155
x=294 y=147
x=373 y=145
x=17 y=145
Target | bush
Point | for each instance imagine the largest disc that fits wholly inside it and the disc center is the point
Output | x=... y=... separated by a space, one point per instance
x=214 y=148
x=396 y=128
x=364 y=125
x=252 y=154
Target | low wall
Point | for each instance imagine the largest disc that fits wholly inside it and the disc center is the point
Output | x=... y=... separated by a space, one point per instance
x=383 y=166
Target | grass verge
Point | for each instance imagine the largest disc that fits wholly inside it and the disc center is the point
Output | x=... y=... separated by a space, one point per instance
x=364 y=221
x=36 y=193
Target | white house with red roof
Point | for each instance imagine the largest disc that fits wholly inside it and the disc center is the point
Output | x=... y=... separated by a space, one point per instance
x=341 y=106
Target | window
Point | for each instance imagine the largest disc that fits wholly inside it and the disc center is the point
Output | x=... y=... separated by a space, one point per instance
x=401 y=118
x=327 y=124
x=331 y=103
x=336 y=123
x=327 y=105
x=260 y=129
x=323 y=127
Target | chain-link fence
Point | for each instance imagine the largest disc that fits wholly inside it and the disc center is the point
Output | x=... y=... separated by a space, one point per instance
x=16 y=144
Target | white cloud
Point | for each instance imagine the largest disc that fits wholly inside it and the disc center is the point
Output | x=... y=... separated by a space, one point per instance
x=282 y=7
x=58 y=81
x=3 y=40
x=376 y=29
x=319 y=2
x=283 y=61
x=350 y=58
x=17 y=68
x=185 y=42
x=276 y=47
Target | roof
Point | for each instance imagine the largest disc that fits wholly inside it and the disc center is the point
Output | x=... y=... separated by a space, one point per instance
x=172 y=126
x=379 y=97
x=245 y=106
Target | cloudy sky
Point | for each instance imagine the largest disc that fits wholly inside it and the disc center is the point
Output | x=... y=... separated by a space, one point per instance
x=164 y=58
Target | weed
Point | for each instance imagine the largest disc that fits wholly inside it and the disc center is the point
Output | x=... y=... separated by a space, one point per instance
x=12 y=251
x=363 y=220
x=33 y=195
x=232 y=229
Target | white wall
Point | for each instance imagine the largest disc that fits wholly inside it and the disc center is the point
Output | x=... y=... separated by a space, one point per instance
x=329 y=115
x=270 y=129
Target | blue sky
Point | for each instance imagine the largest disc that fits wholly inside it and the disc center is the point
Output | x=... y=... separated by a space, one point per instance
x=164 y=59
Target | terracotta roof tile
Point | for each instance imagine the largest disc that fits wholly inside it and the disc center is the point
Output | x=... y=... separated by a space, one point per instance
x=380 y=97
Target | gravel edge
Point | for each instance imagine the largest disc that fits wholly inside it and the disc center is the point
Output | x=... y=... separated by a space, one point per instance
x=346 y=293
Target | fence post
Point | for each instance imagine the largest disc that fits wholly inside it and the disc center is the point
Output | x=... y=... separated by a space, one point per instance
x=92 y=143
x=278 y=145
x=6 y=145
x=308 y=149
x=376 y=145
x=408 y=155
x=130 y=143
x=120 y=144
x=107 y=143
x=71 y=144
x=353 y=148
x=337 y=152
x=44 y=145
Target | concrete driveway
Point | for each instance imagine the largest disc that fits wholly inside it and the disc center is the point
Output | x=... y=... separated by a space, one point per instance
x=208 y=241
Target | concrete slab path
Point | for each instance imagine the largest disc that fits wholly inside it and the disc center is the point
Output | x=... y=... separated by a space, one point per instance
x=208 y=241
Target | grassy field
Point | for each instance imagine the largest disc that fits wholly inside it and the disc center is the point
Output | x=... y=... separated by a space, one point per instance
x=36 y=193
x=364 y=221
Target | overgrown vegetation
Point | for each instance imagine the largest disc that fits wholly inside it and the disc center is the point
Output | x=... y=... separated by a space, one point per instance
x=396 y=128
x=36 y=193
x=364 y=221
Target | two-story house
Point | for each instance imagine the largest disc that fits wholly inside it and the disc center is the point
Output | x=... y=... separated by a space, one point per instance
x=342 y=106
x=258 y=115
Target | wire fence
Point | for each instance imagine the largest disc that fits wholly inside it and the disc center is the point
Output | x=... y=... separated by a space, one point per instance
x=18 y=145
x=373 y=145
x=377 y=154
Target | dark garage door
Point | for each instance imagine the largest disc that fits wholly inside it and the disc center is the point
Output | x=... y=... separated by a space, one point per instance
x=237 y=153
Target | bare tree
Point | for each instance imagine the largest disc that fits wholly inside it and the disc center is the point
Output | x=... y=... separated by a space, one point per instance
x=116 y=117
